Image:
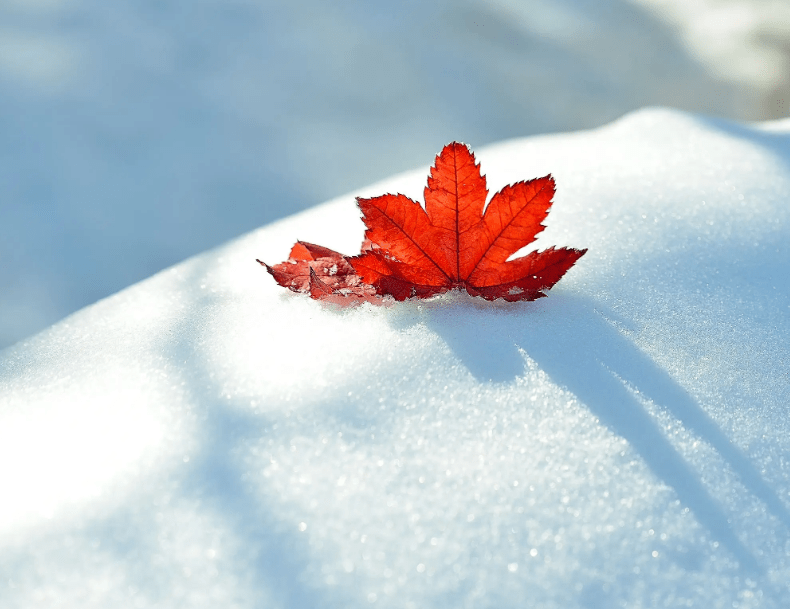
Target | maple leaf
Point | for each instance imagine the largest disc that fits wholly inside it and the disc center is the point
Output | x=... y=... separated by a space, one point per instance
x=457 y=241
x=321 y=272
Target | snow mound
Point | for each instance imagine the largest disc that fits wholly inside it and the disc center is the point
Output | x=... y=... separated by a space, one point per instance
x=206 y=438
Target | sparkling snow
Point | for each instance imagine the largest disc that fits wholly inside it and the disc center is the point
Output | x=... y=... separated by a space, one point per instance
x=208 y=439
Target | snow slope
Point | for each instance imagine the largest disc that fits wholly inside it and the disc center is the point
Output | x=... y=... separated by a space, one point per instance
x=205 y=438
x=134 y=134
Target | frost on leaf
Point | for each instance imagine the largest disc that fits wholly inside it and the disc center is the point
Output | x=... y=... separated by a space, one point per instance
x=322 y=273
x=451 y=243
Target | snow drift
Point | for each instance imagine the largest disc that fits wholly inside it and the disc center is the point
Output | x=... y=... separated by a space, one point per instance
x=205 y=438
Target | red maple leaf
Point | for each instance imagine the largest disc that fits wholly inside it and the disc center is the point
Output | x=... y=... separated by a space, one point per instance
x=455 y=242
x=323 y=273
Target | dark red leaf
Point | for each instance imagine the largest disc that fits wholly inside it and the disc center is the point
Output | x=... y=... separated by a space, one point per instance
x=323 y=273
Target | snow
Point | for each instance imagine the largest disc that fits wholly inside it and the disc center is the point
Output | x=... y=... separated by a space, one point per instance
x=134 y=134
x=205 y=438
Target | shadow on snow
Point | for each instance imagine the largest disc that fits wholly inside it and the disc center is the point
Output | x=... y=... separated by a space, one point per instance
x=582 y=351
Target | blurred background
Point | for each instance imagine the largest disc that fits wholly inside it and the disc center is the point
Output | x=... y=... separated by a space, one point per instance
x=134 y=134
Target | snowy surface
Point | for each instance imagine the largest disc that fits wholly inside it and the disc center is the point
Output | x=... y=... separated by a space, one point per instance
x=137 y=133
x=208 y=439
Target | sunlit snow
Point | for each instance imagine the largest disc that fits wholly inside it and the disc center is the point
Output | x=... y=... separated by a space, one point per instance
x=206 y=438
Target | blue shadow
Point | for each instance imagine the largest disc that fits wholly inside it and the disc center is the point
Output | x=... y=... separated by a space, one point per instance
x=583 y=352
